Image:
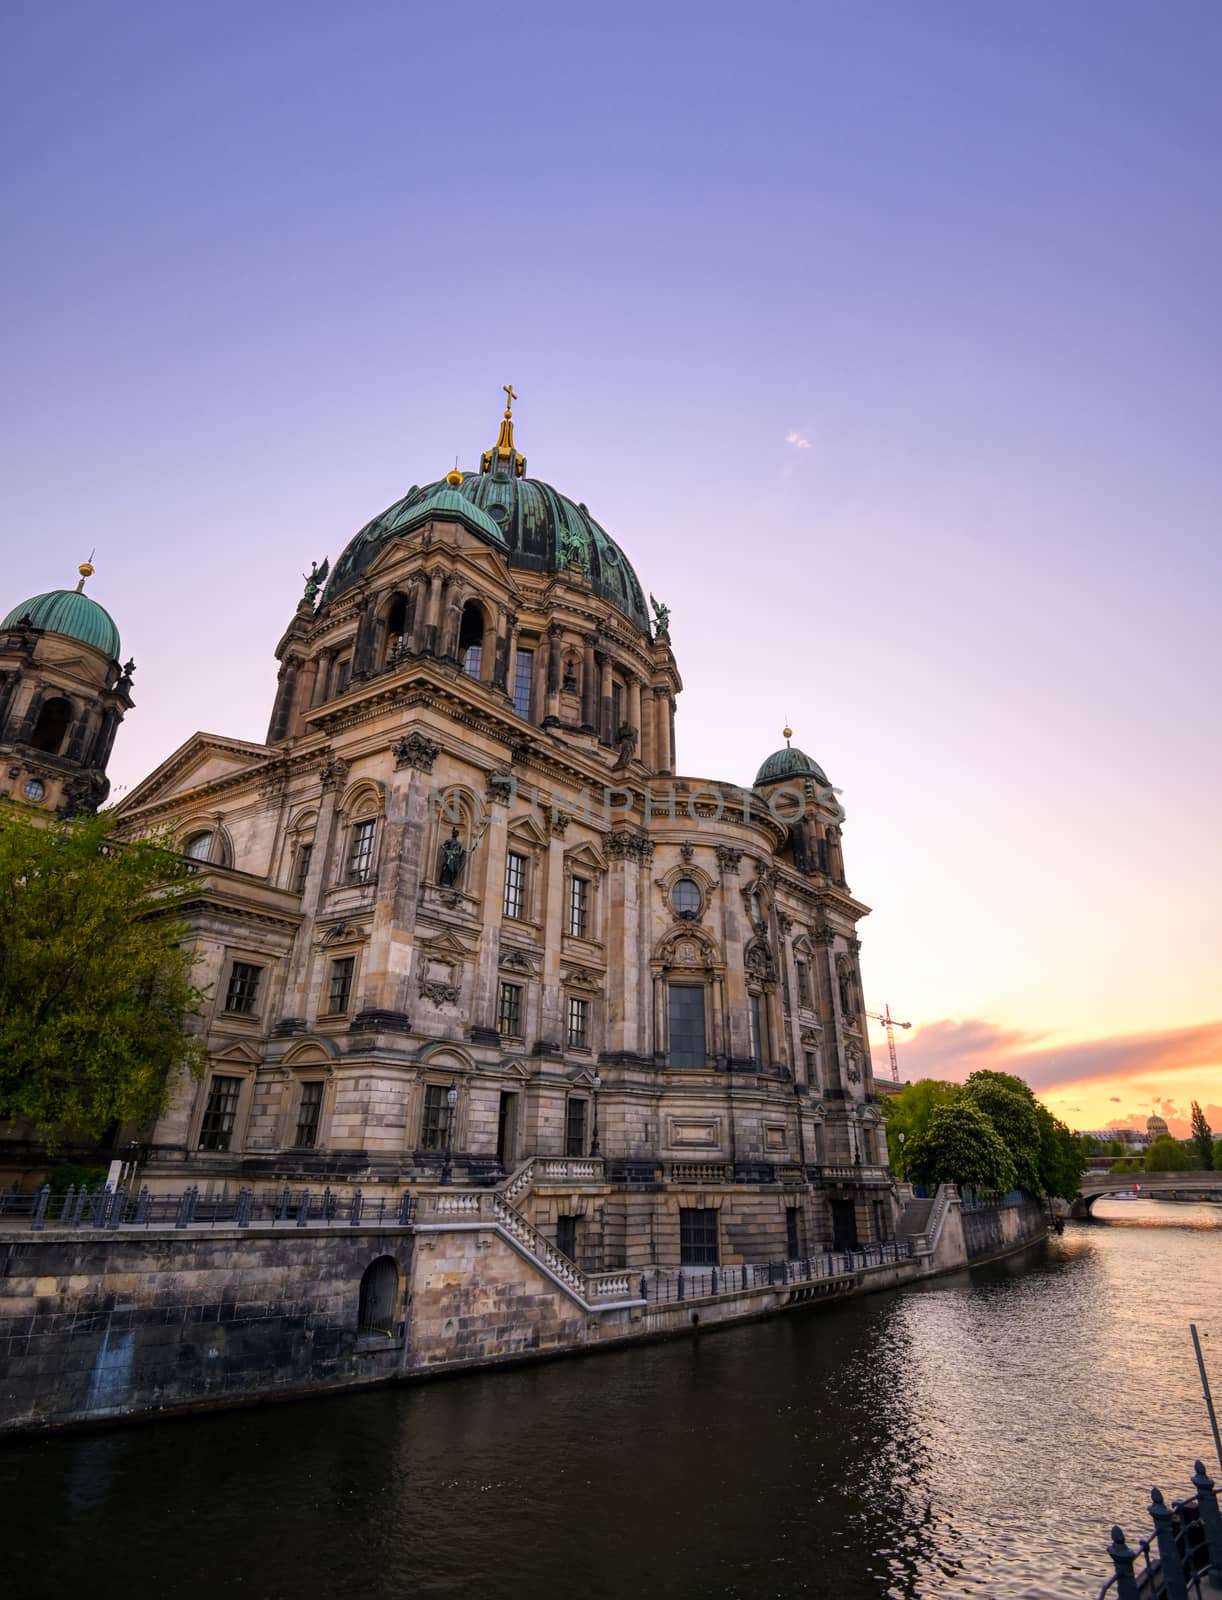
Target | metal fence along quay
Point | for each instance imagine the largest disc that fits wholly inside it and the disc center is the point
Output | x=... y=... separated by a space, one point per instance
x=1182 y=1559
x=114 y=1209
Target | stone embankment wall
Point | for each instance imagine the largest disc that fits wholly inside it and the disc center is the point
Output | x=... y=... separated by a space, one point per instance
x=101 y=1325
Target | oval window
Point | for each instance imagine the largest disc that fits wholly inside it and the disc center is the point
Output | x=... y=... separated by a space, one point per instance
x=685 y=897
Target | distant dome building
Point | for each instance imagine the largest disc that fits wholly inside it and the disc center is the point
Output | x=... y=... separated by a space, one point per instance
x=459 y=911
x=63 y=695
x=1157 y=1128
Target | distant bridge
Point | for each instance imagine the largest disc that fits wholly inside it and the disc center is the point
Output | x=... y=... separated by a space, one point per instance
x=1153 y=1185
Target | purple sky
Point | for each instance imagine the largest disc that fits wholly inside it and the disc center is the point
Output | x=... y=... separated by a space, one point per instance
x=268 y=265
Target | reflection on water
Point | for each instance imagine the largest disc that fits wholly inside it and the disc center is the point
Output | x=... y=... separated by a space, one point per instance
x=974 y=1437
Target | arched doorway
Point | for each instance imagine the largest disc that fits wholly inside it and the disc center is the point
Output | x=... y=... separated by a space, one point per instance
x=379 y=1295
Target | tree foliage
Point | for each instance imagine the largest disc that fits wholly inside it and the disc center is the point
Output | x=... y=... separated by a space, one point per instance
x=1202 y=1137
x=1166 y=1154
x=908 y=1113
x=1062 y=1158
x=1011 y=1108
x=960 y=1145
x=95 y=977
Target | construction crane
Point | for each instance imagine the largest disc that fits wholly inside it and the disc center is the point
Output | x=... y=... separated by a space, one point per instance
x=891 y=1024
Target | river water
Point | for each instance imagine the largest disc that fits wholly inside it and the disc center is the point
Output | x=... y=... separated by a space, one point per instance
x=973 y=1437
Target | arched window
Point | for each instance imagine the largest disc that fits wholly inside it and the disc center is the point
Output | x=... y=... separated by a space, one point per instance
x=379 y=1292
x=471 y=639
x=398 y=623
x=51 y=729
x=199 y=847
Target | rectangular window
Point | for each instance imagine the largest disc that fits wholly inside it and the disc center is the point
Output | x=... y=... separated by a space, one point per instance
x=575 y=1127
x=617 y=708
x=686 y=1025
x=566 y=1237
x=303 y=868
x=342 y=670
x=757 y=1037
x=579 y=1023
x=579 y=907
x=809 y=1056
x=472 y=657
x=698 y=1237
x=243 y=991
x=360 y=851
x=804 y=985
x=515 y=885
x=523 y=671
x=793 y=1237
x=309 y=1108
x=341 y=986
x=509 y=1011
x=436 y=1115
x=220 y=1113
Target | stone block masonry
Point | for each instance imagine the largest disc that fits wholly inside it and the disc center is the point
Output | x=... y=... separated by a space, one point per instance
x=102 y=1325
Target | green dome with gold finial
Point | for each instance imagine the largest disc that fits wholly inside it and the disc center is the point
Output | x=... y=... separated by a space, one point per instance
x=71 y=614
x=535 y=527
x=789 y=763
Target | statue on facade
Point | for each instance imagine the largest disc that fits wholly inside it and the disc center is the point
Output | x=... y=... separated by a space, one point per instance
x=625 y=738
x=315 y=579
x=453 y=854
x=661 y=619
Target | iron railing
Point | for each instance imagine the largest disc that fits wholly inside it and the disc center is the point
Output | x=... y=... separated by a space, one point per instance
x=1184 y=1550
x=110 y=1209
x=691 y=1283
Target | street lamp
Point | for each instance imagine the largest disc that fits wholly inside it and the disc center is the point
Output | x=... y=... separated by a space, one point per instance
x=595 y=1147
x=447 y=1171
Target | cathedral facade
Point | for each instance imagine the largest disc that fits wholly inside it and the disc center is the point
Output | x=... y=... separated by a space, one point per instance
x=461 y=909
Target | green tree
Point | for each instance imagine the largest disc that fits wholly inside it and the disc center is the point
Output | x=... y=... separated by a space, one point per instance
x=1202 y=1137
x=1011 y=1108
x=1062 y=1157
x=1217 y=1155
x=1166 y=1154
x=960 y=1145
x=908 y=1113
x=95 y=977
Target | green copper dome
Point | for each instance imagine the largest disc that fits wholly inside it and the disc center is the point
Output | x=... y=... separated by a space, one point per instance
x=73 y=614
x=533 y=525
x=789 y=763
x=443 y=502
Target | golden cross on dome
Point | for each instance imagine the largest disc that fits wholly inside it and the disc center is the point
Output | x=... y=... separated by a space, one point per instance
x=503 y=455
x=508 y=388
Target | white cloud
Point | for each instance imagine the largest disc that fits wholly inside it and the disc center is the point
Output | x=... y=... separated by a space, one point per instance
x=798 y=440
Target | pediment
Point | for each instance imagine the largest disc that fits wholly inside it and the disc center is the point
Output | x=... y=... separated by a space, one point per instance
x=204 y=760
x=238 y=1052
x=585 y=855
x=526 y=831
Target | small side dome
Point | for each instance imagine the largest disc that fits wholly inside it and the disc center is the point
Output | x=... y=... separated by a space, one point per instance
x=72 y=614
x=789 y=763
x=447 y=503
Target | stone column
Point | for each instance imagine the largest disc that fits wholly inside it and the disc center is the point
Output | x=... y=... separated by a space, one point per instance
x=304 y=697
x=509 y=660
x=634 y=712
x=285 y=690
x=539 y=689
x=321 y=873
x=495 y=845
x=388 y=960
x=553 y=674
x=607 y=732
x=451 y=618
x=629 y=853
x=662 y=730
x=551 y=1026
x=648 y=728
x=738 y=1020
x=589 y=693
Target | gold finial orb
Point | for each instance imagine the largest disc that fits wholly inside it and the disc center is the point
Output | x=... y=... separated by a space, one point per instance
x=787 y=733
x=86 y=569
x=454 y=477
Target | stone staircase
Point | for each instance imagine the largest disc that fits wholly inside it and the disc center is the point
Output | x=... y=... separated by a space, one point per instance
x=913 y=1219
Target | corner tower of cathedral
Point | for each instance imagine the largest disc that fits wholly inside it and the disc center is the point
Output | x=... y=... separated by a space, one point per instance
x=63 y=695
x=460 y=913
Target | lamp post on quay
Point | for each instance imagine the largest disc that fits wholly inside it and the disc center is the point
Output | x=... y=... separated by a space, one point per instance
x=595 y=1147
x=447 y=1171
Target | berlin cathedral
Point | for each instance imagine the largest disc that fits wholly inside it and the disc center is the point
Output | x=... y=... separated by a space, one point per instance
x=460 y=910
